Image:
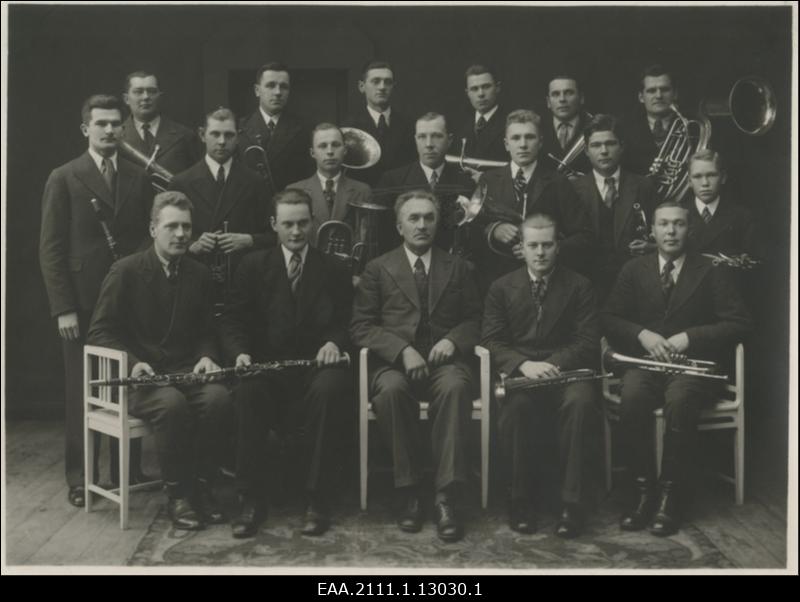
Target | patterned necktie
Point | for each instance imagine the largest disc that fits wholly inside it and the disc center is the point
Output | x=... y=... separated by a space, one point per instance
x=479 y=125
x=172 y=272
x=423 y=335
x=330 y=196
x=149 y=139
x=563 y=134
x=538 y=291
x=434 y=181
x=667 y=284
x=659 y=133
x=295 y=271
x=110 y=176
x=221 y=177
x=270 y=132
x=706 y=215
x=383 y=127
x=519 y=187
x=611 y=193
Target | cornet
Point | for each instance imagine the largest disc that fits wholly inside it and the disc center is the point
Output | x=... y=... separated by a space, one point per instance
x=681 y=365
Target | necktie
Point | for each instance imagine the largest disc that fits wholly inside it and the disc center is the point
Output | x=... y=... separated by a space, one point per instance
x=295 y=271
x=667 y=283
x=423 y=335
x=563 y=134
x=538 y=290
x=149 y=139
x=270 y=132
x=611 y=193
x=172 y=272
x=221 y=176
x=519 y=186
x=330 y=196
x=706 y=215
x=434 y=180
x=659 y=133
x=479 y=125
x=110 y=176
x=383 y=127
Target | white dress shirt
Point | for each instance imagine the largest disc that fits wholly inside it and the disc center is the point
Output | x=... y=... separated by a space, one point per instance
x=412 y=259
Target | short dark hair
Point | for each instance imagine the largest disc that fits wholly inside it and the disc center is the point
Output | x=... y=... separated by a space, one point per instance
x=667 y=205
x=375 y=64
x=170 y=198
x=219 y=114
x=99 y=101
x=564 y=76
x=320 y=127
x=430 y=116
x=140 y=73
x=271 y=66
x=292 y=196
x=480 y=69
x=416 y=194
x=656 y=70
x=602 y=123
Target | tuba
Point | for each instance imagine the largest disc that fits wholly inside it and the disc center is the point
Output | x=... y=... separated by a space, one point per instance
x=160 y=177
x=361 y=149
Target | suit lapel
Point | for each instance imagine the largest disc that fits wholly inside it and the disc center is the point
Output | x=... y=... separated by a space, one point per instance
x=688 y=280
x=594 y=200
x=167 y=136
x=651 y=282
x=536 y=186
x=440 y=274
x=125 y=179
x=627 y=194
x=716 y=226
x=206 y=189
x=276 y=280
x=284 y=132
x=310 y=285
x=341 y=204
x=400 y=271
x=231 y=193
x=88 y=173
x=555 y=301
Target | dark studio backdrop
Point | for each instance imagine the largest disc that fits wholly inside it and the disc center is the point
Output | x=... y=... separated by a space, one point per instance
x=205 y=56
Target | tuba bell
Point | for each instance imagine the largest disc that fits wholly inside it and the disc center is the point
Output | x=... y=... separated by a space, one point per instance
x=361 y=149
x=750 y=104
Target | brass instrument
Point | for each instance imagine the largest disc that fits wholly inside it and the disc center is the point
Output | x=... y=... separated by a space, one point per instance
x=223 y=374
x=221 y=275
x=467 y=209
x=576 y=151
x=160 y=177
x=742 y=261
x=361 y=149
x=335 y=238
x=750 y=104
x=112 y=244
x=681 y=365
x=472 y=163
x=505 y=384
x=255 y=157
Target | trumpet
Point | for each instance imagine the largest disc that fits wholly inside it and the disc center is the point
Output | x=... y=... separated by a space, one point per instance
x=504 y=385
x=160 y=177
x=681 y=365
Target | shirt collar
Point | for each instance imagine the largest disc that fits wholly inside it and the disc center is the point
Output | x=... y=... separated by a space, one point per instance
x=387 y=115
x=153 y=123
x=267 y=117
x=287 y=256
x=214 y=166
x=98 y=159
x=412 y=258
x=678 y=263
x=487 y=115
x=572 y=122
x=165 y=262
x=526 y=171
x=712 y=206
x=534 y=278
x=600 y=179
x=323 y=179
x=428 y=171
x=666 y=121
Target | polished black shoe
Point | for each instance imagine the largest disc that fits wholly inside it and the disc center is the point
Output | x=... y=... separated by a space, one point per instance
x=640 y=515
x=317 y=520
x=666 y=522
x=207 y=506
x=183 y=515
x=570 y=522
x=448 y=526
x=410 y=516
x=250 y=517
x=77 y=496
x=522 y=517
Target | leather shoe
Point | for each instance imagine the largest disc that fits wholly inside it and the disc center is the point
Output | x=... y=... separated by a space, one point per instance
x=317 y=520
x=570 y=523
x=637 y=518
x=183 y=515
x=448 y=526
x=410 y=517
x=665 y=522
x=208 y=507
x=522 y=517
x=246 y=523
x=77 y=496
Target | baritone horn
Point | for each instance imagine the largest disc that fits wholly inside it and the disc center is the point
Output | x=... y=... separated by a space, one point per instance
x=160 y=177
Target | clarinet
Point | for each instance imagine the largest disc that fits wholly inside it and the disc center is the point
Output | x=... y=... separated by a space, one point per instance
x=505 y=385
x=112 y=244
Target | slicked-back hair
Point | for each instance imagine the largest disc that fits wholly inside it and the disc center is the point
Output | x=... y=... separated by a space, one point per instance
x=170 y=198
x=140 y=73
x=480 y=69
x=271 y=66
x=602 y=123
x=708 y=155
x=220 y=114
x=292 y=196
x=375 y=64
x=416 y=194
x=432 y=116
x=667 y=205
x=524 y=116
x=99 y=101
x=656 y=70
x=539 y=220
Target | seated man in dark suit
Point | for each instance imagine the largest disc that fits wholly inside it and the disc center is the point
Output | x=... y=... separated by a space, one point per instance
x=618 y=201
x=564 y=130
x=156 y=306
x=147 y=128
x=290 y=302
x=525 y=187
x=430 y=172
x=282 y=136
x=382 y=121
x=665 y=303
x=538 y=321
x=417 y=310
x=481 y=133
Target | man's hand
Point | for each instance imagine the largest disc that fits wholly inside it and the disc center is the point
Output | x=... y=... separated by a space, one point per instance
x=517 y=251
x=656 y=345
x=206 y=364
x=414 y=364
x=68 y=328
x=640 y=247
x=680 y=342
x=441 y=353
x=204 y=244
x=506 y=233
x=531 y=369
x=142 y=369
x=243 y=360
x=233 y=241
x=328 y=354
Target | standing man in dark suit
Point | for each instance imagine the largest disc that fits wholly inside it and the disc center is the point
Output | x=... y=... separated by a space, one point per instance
x=224 y=190
x=481 y=133
x=74 y=253
x=646 y=130
x=290 y=302
x=565 y=129
x=145 y=128
x=430 y=172
x=283 y=136
x=618 y=201
x=539 y=321
x=525 y=187
x=665 y=303
x=382 y=121
x=156 y=306
x=417 y=309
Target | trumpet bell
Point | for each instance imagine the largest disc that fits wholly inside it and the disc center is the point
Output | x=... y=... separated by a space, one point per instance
x=361 y=149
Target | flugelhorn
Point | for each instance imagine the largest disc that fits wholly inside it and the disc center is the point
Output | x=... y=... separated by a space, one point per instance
x=505 y=385
x=681 y=365
x=160 y=177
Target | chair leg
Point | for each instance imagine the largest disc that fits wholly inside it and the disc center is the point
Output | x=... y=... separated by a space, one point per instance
x=607 y=441
x=660 y=427
x=485 y=461
x=738 y=464
x=88 y=463
x=124 y=478
x=363 y=434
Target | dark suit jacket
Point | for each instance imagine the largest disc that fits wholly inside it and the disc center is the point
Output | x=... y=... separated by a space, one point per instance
x=731 y=231
x=640 y=146
x=396 y=149
x=386 y=310
x=179 y=147
x=551 y=145
x=132 y=316
x=242 y=204
x=73 y=252
x=347 y=191
x=568 y=335
x=267 y=322
x=705 y=303
x=288 y=151
x=489 y=144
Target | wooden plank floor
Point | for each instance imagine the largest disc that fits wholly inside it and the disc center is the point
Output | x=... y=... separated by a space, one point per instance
x=43 y=529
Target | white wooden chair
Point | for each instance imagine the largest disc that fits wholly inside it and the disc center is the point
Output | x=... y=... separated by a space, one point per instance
x=480 y=411
x=726 y=414
x=106 y=411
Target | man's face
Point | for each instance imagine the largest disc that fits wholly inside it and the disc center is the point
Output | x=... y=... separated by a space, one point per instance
x=563 y=99
x=292 y=223
x=670 y=228
x=172 y=231
x=272 y=91
x=432 y=142
x=657 y=95
x=523 y=143
x=417 y=224
x=377 y=87
x=143 y=97
x=103 y=130
x=220 y=139
x=604 y=151
x=705 y=179
x=540 y=249
x=482 y=92
x=328 y=150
